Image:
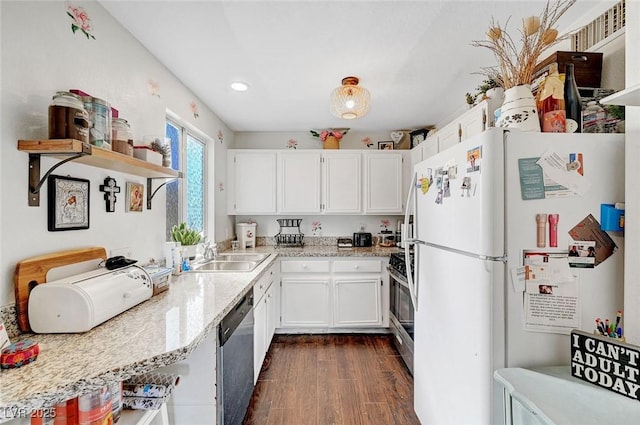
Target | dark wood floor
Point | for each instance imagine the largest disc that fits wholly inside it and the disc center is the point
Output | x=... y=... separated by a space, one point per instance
x=332 y=380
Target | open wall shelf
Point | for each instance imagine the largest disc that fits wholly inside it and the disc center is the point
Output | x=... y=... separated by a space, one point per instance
x=84 y=153
x=626 y=97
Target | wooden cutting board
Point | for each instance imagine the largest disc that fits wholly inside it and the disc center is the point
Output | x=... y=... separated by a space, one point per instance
x=33 y=271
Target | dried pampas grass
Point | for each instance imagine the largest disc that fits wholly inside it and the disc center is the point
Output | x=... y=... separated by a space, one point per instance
x=516 y=66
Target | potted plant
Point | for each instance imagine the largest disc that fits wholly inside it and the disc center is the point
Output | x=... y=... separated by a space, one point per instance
x=188 y=238
x=489 y=88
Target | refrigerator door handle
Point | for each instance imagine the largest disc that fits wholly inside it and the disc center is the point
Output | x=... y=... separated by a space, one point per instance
x=502 y=258
x=411 y=206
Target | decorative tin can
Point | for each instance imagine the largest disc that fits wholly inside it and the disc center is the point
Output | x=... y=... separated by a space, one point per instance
x=19 y=354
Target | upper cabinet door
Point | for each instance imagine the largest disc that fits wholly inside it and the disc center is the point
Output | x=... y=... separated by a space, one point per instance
x=342 y=188
x=474 y=121
x=252 y=182
x=383 y=183
x=299 y=182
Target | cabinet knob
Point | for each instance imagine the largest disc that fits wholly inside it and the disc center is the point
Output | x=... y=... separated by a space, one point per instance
x=356 y=266
x=304 y=266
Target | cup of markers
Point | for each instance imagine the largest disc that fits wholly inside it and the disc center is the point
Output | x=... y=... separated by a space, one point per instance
x=611 y=329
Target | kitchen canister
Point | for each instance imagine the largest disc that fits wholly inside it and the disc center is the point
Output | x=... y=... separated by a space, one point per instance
x=100 y=117
x=246 y=233
x=68 y=118
x=122 y=136
x=19 y=354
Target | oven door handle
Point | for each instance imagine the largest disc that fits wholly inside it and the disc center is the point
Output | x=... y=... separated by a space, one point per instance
x=398 y=277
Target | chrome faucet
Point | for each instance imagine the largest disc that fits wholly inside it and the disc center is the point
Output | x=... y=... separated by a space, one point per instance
x=210 y=251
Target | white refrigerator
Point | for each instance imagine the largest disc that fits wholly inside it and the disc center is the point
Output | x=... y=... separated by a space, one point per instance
x=468 y=235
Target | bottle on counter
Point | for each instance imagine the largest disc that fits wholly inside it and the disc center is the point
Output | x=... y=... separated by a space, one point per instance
x=572 y=101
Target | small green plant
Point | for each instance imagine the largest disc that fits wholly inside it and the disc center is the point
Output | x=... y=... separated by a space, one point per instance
x=181 y=233
x=486 y=85
x=616 y=111
x=469 y=98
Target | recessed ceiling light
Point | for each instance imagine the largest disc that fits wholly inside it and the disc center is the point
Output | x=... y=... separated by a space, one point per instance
x=239 y=86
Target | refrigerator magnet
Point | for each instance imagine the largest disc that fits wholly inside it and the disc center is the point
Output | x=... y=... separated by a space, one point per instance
x=446 y=189
x=423 y=184
x=439 y=197
x=473 y=159
x=453 y=172
x=466 y=187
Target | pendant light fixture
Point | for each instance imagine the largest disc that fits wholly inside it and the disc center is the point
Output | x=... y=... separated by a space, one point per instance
x=349 y=101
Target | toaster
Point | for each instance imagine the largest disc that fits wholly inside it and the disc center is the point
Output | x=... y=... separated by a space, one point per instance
x=361 y=239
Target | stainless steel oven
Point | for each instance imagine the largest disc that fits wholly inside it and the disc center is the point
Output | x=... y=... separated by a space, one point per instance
x=401 y=308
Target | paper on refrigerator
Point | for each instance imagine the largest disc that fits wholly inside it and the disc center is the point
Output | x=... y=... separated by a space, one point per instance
x=551 y=297
x=559 y=169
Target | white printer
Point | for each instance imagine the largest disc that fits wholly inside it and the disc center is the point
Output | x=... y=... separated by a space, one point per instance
x=81 y=302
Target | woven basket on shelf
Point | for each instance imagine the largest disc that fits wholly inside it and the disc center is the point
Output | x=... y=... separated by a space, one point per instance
x=331 y=142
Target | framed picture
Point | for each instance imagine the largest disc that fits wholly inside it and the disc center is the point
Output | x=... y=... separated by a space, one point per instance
x=135 y=197
x=68 y=203
x=418 y=136
x=385 y=145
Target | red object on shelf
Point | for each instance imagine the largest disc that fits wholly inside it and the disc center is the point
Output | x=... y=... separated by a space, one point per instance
x=19 y=354
x=79 y=92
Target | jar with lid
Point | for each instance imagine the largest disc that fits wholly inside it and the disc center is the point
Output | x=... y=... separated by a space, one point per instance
x=68 y=119
x=100 y=116
x=593 y=118
x=121 y=130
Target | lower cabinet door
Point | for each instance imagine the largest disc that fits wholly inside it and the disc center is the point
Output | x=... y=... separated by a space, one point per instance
x=357 y=301
x=305 y=302
x=259 y=335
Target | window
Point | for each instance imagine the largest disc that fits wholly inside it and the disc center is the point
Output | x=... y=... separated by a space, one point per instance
x=186 y=199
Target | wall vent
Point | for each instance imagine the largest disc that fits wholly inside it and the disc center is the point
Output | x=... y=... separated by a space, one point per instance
x=600 y=28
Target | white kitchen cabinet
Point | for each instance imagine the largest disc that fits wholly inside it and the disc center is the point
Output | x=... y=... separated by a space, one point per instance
x=305 y=301
x=383 y=183
x=273 y=312
x=357 y=301
x=251 y=182
x=337 y=293
x=424 y=150
x=448 y=136
x=299 y=182
x=263 y=320
x=342 y=183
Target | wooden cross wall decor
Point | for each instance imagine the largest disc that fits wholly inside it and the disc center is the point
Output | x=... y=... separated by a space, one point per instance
x=110 y=189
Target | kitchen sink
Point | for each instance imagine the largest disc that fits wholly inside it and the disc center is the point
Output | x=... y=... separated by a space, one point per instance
x=230 y=262
x=225 y=266
x=241 y=256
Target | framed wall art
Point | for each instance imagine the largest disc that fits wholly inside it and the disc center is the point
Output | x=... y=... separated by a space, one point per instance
x=68 y=203
x=135 y=197
x=385 y=145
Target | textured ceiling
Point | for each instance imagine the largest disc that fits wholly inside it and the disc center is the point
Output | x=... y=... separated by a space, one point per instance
x=413 y=56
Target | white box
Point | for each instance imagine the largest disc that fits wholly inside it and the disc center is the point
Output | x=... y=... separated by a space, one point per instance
x=146 y=154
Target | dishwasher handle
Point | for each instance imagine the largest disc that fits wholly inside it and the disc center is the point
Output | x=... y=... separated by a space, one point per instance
x=233 y=319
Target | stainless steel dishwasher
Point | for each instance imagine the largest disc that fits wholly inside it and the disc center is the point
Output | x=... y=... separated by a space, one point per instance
x=235 y=362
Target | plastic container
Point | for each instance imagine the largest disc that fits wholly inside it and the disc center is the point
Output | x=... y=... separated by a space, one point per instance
x=246 y=233
x=121 y=130
x=68 y=118
x=100 y=117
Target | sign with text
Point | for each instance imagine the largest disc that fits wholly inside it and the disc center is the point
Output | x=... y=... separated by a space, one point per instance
x=606 y=362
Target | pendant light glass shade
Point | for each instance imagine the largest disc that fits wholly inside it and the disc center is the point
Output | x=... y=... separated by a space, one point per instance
x=349 y=101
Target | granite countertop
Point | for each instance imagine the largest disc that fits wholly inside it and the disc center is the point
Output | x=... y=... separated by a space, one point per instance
x=161 y=331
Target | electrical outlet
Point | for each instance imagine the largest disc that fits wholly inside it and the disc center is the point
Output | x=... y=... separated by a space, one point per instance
x=126 y=252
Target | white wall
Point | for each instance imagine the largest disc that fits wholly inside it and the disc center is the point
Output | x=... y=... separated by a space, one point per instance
x=41 y=55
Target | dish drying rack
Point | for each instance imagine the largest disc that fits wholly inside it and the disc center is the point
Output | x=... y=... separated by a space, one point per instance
x=289 y=238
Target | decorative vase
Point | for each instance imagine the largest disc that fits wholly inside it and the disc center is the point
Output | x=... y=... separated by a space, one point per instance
x=331 y=142
x=519 y=110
